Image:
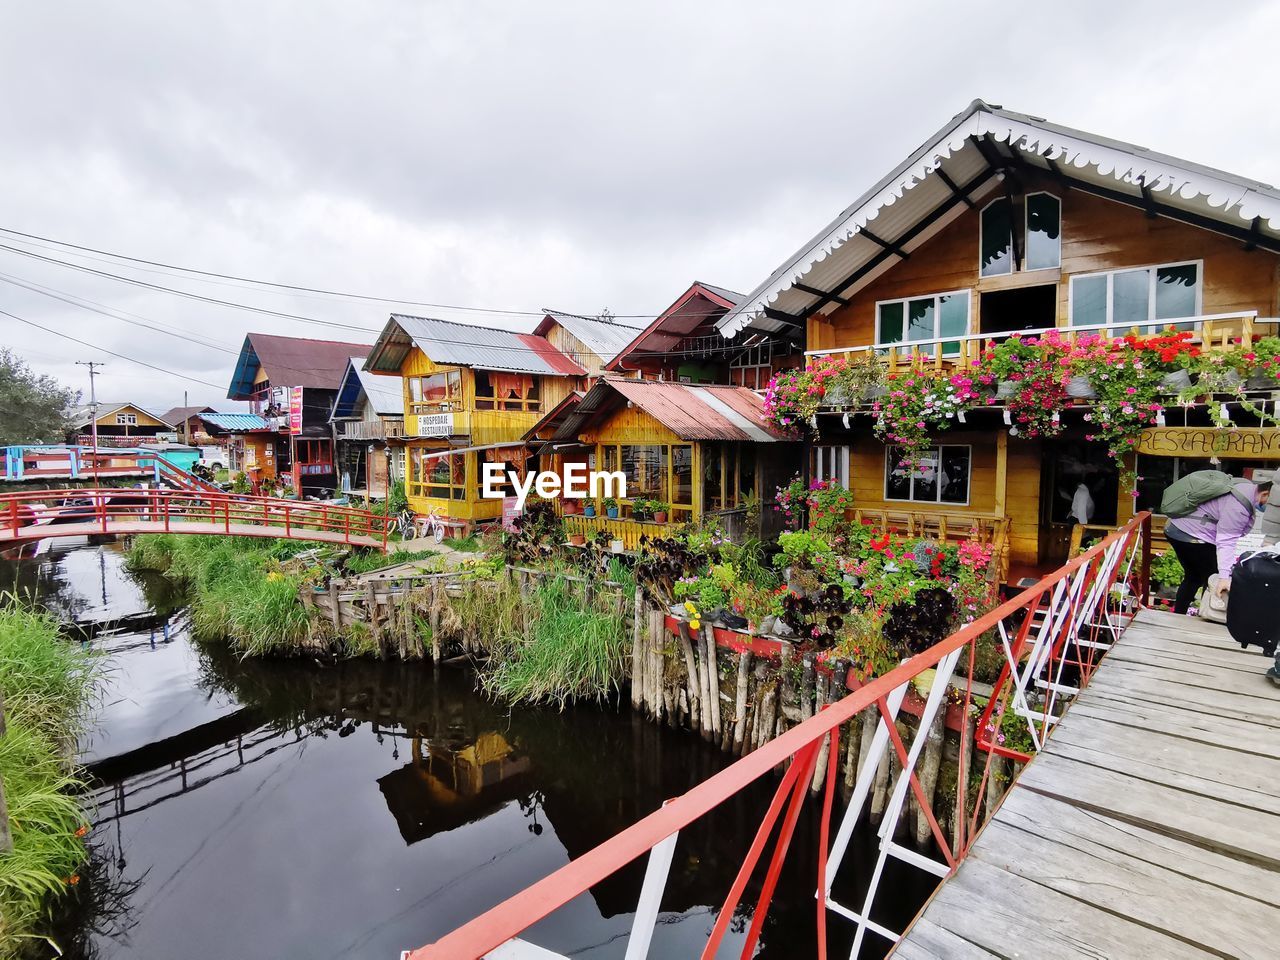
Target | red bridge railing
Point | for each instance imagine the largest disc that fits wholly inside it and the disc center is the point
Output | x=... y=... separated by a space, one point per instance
x=37 y=514
x=1052 y=636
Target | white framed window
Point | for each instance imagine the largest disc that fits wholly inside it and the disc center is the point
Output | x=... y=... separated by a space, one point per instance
x=938 y=475
x=831 y=463
x=924 y=318
x=1145 y=297
x=127 y=419
x=1041 y=235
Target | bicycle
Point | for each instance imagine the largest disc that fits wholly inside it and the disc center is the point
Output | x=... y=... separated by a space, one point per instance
x=431 y=524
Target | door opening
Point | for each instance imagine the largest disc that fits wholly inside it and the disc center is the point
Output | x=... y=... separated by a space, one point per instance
x=1079 y=483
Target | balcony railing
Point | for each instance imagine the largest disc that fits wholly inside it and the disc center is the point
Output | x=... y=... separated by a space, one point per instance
x=1213 y=332
x=370 y=429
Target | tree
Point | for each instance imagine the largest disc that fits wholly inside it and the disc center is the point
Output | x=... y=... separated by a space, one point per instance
x=34 y=408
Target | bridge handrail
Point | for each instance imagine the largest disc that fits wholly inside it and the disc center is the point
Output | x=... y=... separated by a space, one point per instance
x=25 y=514
x=1094 y=595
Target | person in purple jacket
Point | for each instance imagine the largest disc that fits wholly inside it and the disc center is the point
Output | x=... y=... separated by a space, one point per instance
x=1205 y=542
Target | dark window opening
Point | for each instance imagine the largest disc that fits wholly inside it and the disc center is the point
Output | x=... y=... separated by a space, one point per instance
x=1026 y=308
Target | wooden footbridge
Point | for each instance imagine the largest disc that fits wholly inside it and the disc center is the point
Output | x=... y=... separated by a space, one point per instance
x=39 y=514
x=1148 y=826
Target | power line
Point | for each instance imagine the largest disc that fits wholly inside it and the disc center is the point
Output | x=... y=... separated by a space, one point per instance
x=111 y=353
x=104 y=310
x=295 y=288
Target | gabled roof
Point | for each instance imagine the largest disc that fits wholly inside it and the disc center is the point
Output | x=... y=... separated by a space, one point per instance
x=179 y=414
x=83 y=415
x=292 y=362
x=699 y=306
x=964 y=159
x=383 y=394
x=553 y=418
x=237 y=422
x=605 y=338
x=465 y=345
x=690 y=412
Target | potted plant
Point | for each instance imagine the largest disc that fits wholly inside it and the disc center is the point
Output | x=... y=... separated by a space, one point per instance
x=578 y=539
x=569 y=506
x=640 y=508
x=611 y=507
x=1262 y=358
x=659 y=510
x=792 y=399
x=616 y=546
x=1129 y=385
x=1171 y=352
x=588 y=508
x=1005 y=364
x=1031 y=378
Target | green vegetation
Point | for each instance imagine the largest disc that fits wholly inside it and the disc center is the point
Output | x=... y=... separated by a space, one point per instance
x=242 y=588
x=33 y=408
x=1166 y=571
x=47 y=685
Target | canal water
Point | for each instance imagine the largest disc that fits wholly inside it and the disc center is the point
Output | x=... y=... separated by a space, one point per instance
x=248 y=809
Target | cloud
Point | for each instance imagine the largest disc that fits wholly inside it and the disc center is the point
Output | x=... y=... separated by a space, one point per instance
x=577 y=155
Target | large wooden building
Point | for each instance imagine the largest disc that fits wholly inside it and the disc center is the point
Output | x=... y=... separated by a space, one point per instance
x=292 y=382
x=1003 y=222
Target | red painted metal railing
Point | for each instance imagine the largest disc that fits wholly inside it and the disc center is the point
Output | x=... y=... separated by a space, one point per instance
x=37 y=514
x=1052 y=635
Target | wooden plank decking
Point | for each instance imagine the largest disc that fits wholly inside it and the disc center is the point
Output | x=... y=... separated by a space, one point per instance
x=1148 y=827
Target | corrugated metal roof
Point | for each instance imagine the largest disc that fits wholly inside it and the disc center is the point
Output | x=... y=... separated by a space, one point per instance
x=605 y=338
x=465 y=345
x=693 y=309
x=179 y=414
x=292 y=362
x=690 y=412
x=912 y=192
x=236 y=422
x=385 y=395
x=731 y=295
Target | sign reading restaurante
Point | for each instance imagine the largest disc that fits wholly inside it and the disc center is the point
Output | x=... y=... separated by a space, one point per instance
x=1248 y=443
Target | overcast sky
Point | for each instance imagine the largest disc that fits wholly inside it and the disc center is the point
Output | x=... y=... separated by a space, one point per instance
x=521 y=155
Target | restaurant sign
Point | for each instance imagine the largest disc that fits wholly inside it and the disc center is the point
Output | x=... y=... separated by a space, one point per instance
x=1240 y=443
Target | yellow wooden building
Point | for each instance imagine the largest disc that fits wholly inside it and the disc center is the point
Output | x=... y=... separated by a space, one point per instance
x=698 y=450
x=118 y=424
x=470 y=395
x=1001 y=223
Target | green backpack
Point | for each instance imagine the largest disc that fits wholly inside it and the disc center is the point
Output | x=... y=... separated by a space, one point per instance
x=1185 y=494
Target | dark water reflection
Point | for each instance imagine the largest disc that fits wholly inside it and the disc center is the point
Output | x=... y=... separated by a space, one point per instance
x=354 y=810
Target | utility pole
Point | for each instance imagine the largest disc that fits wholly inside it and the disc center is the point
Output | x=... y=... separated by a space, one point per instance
x=186 y=421
x=93 y=408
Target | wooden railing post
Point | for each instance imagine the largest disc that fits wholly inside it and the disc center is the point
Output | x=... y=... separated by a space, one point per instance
x=102 y=509
x=226 y=514
x=13 y=516
x=165 y=506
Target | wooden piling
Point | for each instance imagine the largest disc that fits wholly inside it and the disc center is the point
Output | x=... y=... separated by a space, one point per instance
x=335 y=608
x=820 y=768
x=713 y=679
x=637 y=653
x=930 y=761
x=740 y=700
x=694 y=687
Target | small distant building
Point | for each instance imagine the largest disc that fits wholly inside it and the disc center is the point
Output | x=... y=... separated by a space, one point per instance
x=590 y=342
x=250 y=442
x=368 y=427
x=189 y=425
x=292 y=382
x=119 y=424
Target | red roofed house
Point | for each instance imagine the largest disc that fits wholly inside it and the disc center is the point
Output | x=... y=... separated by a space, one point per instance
x=292 y=382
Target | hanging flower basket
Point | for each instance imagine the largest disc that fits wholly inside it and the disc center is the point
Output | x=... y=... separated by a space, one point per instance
x=1175 y=381
x=1006 y=389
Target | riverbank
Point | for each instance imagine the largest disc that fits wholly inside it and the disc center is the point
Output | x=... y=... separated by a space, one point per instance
x=47 y=686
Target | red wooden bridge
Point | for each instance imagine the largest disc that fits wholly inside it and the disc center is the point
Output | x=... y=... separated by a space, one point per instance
x=39 y=514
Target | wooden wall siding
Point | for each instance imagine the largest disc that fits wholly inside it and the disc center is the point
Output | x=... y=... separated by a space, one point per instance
x=631 y=425
x=1097 y=235
x=1022 y=500
x=567 y=343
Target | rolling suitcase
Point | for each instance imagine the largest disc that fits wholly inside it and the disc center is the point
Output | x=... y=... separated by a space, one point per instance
x=1253 y=605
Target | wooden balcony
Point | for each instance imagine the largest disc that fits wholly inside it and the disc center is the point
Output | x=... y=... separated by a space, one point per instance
x=375 y=430
x=1218 y=331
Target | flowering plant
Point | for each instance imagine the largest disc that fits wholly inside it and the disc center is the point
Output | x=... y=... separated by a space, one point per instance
x=793 y=397
x=1262 y=357
x=918 y=403
x=1038 y=368
x=1172 y=350
x=828 y=502
x=1128 y=384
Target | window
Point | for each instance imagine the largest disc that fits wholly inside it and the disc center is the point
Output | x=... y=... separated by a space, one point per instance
x=753 y=367
x=313 y=457
x=831 y=463
x=127 y=419
x=506 y=391
x=655 y=471
x=1122 y=299
x=435 y=393
x=1041 y=229
x=1044 y=231
x=728 y=474
x=442 y=476
x=1156 y=473
x=939 y=475
x=924 y=318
